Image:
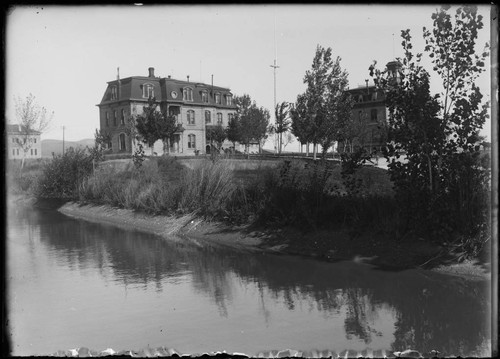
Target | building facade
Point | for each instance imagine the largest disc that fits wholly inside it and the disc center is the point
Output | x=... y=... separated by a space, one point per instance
x=369 y=115
x=196 y=107
x=17 y=137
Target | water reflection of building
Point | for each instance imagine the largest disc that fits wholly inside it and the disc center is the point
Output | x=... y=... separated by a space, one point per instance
x=196 y=106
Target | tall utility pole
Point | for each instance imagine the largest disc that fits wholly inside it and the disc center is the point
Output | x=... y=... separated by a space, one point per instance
x=275 y=66
x=63 y=139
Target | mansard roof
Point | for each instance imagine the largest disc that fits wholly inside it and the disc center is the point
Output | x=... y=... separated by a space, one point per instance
x=19 y=130
x=131 y=89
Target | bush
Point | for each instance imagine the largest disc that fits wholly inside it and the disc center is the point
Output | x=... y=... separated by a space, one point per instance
x=61 y=177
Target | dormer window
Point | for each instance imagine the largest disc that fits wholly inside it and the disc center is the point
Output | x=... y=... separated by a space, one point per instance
x=217 y=98
x=187 y=94
x=114 y=93
x=204 y=96
x=148 y=91
x=229 y=100
x=360 y=98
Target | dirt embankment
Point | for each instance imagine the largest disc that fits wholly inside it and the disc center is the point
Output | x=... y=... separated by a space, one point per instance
x=327 y=245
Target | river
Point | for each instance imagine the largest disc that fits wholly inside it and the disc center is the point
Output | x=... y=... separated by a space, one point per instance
x=71 y=284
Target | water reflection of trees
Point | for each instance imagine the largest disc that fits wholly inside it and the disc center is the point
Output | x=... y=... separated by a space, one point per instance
x=433 y=311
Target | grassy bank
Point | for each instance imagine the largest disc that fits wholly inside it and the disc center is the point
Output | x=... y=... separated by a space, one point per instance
x=307 y=205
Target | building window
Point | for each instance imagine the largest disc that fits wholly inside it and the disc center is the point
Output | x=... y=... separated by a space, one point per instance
x=373 y=115
x=34 y=140
x=230 y=116
x=107 y=119
x=187 y=94
x=191 y=141
x=32 y=152
x=113 y=93
x=13 y=140
x=121 y=142
x=148 y=91
x=219 y=118
x=229 y=100
x=360 y=98
x=17 y=150
x=190 y=117
x=204 y=96
x=208 y=117
x=36 y=152
x=114 y=118
x=374 y=96
x=13 y=152
x=122 y=120
x=360 y=115
x=217 y=98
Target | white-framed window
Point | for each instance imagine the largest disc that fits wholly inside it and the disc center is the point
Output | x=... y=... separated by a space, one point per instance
x=191 y=141
x=114 y=118
x=230 y=116
x=114 y=93
x=229 y=100
x=121 y=142
x=190 y=117
x=219 y=118
x=360 y=98
x=148 y=90
x=208 y=117
x=122 y=118
x=204 y=96
x=34 y=140
x=107 y=119
x=187 y=94
x=217 y=98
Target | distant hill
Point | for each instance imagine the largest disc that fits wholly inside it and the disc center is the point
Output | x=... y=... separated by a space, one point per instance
x=50 y=147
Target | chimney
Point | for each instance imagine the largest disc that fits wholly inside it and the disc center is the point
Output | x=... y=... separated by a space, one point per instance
x=188 y=77
x=151 y=72
x=169 y=76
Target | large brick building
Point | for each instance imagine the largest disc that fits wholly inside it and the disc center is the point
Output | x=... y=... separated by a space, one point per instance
x=195 y=105
x=369 y=114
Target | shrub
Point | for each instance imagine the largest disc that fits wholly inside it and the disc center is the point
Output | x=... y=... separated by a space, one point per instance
x=61 y=177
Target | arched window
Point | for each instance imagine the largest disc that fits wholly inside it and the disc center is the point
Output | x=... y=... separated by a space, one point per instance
x=229 y=100
x=122 y=119
x=190 y=117
x=208 y=117
x=187 y=94
x=219 y=118
x=204 y=96
x=121 y=142
x=217 y=98
x=148 y=90
x=191 y=141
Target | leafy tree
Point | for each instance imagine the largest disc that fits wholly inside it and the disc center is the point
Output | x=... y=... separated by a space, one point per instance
x=326 y=101
x=301 y=122
x=441 y=181
x=153 y=125
x=283 y=122
x=233 y=131
x=253 y=121
x=216 y=134
x=32 y=119
x=101 y=139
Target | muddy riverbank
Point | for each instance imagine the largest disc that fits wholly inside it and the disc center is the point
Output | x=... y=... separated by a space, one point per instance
x=328 y=245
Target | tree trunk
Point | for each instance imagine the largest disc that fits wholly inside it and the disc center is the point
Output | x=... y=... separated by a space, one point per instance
x=315 y=149
x=307 y=149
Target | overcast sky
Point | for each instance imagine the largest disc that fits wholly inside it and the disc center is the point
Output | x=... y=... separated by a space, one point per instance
x=65 y=55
